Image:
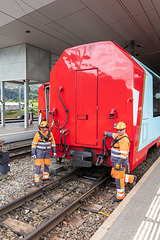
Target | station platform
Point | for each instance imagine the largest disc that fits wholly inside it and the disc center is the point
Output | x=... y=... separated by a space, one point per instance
x=15 y=131
x=137 y=217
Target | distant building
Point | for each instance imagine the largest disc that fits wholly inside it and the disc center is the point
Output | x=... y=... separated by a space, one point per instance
x=12 y=105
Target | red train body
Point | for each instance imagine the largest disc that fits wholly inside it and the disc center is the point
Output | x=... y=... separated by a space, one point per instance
x=93 y=87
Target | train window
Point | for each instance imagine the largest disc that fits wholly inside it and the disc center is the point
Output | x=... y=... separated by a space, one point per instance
x=156 y=98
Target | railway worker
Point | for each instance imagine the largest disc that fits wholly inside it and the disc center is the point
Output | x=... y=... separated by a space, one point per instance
x=119 y=157
x=41 y=150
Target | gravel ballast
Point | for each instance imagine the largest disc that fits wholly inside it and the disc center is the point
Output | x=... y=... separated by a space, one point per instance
x=21 y=178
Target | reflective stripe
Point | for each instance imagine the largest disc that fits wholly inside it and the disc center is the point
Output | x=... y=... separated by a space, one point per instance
x=115 y=150
x=40 y=147
x=37 y=178
x=122 y=156
x=44 y=143
x=34 y=143
x=45 y=173
x=120 y=190
x=120 y=194
x=45 y=176
x=118 y=151
x=125 y=152
x=114 y=155
x=126 y=178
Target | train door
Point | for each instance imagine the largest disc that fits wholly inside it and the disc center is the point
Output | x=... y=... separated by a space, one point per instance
x=47 y=91
x=86 y=107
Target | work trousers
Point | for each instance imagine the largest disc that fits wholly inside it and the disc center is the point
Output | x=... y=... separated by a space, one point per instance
x=38 y=163
x=120 y=179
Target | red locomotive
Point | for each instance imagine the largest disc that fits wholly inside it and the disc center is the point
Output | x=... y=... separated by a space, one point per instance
x=92 y=87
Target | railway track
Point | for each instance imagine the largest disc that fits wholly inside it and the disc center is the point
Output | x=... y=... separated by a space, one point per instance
x=17 y=120
x=18 y=149
x=20 y=180
x=51 y=203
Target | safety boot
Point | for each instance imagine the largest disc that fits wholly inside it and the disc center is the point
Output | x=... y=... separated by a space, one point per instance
x=49 y=179
x=37 y=184
x=134 y=182
x=116 y=199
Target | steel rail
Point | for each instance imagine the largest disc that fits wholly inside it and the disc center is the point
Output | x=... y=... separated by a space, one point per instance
x=19 y=148
x=56 y=219
x=38 y=192
x=19 y=151
x=25 y=139
x=19 y=154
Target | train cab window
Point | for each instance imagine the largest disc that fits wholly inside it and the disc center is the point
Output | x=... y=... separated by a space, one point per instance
x=156 y=98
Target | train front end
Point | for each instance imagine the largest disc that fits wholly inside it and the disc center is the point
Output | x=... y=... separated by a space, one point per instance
x=91 y=89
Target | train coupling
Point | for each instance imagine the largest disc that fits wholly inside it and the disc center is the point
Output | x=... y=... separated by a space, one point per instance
x=78 y=158
x=99 y=161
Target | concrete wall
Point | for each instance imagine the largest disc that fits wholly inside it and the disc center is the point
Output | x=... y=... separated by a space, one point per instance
x=24 y=61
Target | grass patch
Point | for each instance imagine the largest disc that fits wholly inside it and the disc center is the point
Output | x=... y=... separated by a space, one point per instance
x=15 y=113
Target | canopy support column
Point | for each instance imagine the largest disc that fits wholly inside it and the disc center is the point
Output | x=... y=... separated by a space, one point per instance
x=2 y=104
x=19 y=100
x=26 y=103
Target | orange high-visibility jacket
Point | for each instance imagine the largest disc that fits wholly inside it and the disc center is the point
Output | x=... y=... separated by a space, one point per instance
x=43 y=144
x=120 y=149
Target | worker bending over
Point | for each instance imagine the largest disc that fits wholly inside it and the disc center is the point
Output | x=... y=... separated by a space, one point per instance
x=41 y=149
x=119 y=157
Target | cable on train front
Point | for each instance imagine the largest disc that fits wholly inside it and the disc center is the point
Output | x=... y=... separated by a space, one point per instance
x=79 y=156
x=63 y=132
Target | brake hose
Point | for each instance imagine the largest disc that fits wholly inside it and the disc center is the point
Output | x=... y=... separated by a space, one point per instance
x=104 y=144
x=66 y=110
x=108 y=150
x=62 y=139
x=103 y=147
x=65 y=147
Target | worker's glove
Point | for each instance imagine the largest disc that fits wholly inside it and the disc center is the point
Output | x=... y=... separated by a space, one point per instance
x=33 y=154
x=55 y=154
x=117 y=166
x=105 y=134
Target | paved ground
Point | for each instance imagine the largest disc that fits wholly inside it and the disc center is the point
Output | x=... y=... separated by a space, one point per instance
x=16 y=131
x=138 y=215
